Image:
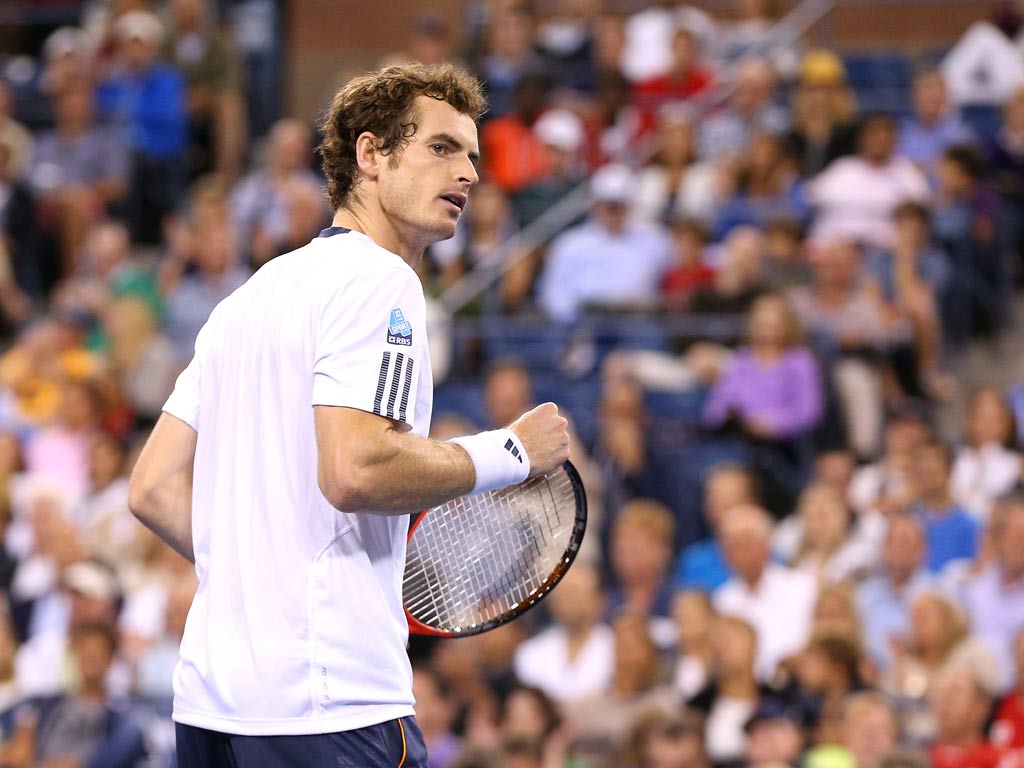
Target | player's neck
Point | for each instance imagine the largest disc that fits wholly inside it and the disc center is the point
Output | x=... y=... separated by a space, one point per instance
x=375 y=225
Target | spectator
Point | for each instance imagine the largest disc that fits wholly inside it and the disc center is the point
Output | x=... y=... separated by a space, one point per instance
x=994 y=597
x=761 y=185
x=91 y=593
x=775 y=735
x=771 y=388
x=156 y=660
x=971 y=225
x=612 y=124
x=146 y=100
x=775 y=600
x=961 y=709
x=574 y=657
x=565 y=39
x=835 y=613
x=513 y=154
x=435 y=712
x=61 y=451
x=694 y=619
x=823 y=111
x=826 y=548
x=68 y=55
x=202 y=267
x=258 y=201
x=488 y=222
x=952 y=532
x=869 y=728
x=885 y=487
x=731 y=695
x=216 y=109
x=530 y=714
x=786 y=264
x=674 y=182
x=85 y=727
x=561 y=134
x=506 y=387
x=146 y=361
x=608 y=260
x=668 y=739
x=641 y=552
x=856 y=195
x=849 y=327
x=738 y=277
x=15 y=136
x=884 y=600
x=79 y=170
x=686 y=77
x=986 y=466
x=10 y=691
x=638 y=684
x=937 y=642
x=933 y=127
x=1008 y=723
x=28 y=270
x=304 y=216
x=703 y=565
x=751 y=111
x=827 y=671
x=912 y=278
x=1006 y=162
x=689 y=271
x=509 y=60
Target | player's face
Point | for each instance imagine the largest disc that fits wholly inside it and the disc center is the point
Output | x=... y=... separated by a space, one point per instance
x=425 y=191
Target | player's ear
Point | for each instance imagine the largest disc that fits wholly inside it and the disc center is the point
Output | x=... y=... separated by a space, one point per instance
x=368 y=156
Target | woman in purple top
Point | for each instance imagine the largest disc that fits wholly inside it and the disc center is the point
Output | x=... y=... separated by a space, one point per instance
x=771 y=388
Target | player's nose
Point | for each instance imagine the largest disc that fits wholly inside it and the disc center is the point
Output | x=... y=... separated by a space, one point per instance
x=467 y=173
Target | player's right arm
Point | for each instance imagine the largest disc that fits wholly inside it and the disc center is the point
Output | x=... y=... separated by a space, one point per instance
x=367 y=463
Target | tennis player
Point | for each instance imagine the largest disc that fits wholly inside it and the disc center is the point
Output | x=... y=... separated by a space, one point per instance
x=294 y=445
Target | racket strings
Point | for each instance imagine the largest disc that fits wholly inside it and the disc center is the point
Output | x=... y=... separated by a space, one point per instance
x=477 y=558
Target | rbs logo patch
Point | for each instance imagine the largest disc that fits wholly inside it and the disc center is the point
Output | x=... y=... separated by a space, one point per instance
x=399 y=329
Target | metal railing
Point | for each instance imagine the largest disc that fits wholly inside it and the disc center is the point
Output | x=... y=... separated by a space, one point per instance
x=518 y=247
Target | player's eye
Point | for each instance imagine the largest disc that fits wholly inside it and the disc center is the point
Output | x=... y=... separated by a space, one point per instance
x=439 y=148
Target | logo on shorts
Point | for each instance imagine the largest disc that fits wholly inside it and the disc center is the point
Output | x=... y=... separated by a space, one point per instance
x=399 y=329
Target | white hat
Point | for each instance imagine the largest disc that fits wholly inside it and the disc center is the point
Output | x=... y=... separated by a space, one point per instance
x=139 y=25
x=612 y=183
x=560 y=128
x=64 y=42
x=92 y=580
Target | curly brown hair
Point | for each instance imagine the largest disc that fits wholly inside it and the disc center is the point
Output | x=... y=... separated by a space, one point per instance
x=383 y=104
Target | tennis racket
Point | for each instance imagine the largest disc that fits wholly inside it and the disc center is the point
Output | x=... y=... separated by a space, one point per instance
x=477 y=562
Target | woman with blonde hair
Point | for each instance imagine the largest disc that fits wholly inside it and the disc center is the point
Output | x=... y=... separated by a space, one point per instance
x=824 y=113
x=939 y=638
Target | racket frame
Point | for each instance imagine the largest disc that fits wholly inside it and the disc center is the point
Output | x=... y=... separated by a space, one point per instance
x=417 y=627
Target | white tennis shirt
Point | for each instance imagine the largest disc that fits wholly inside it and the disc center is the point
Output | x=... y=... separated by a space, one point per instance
x=297 y=626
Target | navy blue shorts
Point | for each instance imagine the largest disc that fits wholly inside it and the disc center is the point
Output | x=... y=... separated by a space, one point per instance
x=394 y=744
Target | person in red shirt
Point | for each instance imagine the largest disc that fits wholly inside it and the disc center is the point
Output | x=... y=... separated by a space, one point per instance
x=1008 y=728
x=514 y=155
x=689 y=271
x=687 y=78
x=961 y=708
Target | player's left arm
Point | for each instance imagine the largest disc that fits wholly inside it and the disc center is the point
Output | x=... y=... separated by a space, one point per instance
x=160 y=490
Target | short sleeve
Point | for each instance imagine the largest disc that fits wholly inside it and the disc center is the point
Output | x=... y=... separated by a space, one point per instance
x=370 y=345
x=184 y=400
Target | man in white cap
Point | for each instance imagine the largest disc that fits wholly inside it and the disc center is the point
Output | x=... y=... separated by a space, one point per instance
x=146 y=99
x=609 y=260
x=561 y=133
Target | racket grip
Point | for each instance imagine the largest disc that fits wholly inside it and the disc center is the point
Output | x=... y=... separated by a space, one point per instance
x=498 y=457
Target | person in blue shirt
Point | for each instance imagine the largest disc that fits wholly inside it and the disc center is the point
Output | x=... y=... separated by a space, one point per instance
x=884 y=600
x=145 y=99
x=934 y=127
x=702 y=565
x=951 y=532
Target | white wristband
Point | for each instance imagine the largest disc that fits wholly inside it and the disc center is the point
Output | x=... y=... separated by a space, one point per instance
x=499 y=459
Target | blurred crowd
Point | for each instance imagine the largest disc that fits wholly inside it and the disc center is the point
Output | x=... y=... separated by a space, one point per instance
x=789 y=562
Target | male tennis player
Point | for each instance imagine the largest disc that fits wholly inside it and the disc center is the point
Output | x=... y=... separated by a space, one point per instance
x=294 y=444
